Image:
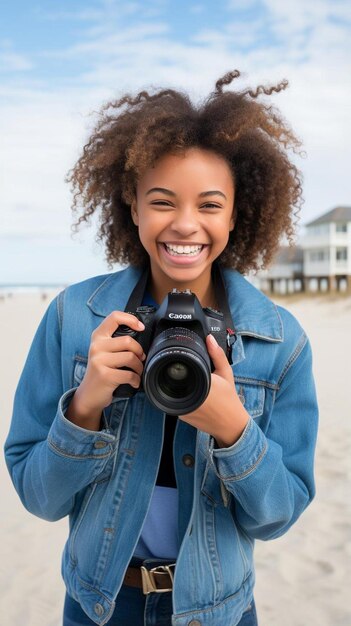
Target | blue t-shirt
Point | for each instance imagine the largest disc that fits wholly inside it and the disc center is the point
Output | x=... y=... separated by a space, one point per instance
x=159 y=535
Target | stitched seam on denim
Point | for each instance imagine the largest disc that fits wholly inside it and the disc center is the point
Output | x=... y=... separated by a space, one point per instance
x=89 y=301
x=77 y=360
x=209 y=453
x=110 y=603
x=216 y=606
x=247 y=333
x=77 y=456
x=81 y=359
x=245 y=561
x=82 y=510
x=248 y=471
x=212 y=449
x=299 y=347
x=59 y=307
x=103 y=480
x=91 y=588
x=219 y=586
x=280 y=321
x=255 y=381
x=250 y=333
x=207 y=495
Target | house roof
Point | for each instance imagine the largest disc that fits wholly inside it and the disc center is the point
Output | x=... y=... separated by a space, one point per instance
x=339 y=214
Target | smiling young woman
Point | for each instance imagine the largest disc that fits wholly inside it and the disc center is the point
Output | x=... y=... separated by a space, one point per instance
x=164 y=510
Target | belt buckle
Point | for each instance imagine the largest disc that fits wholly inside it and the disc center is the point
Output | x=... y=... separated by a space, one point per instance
x=148 y=578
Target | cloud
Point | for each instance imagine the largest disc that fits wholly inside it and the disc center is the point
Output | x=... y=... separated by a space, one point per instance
x=11 y=61
x=298 y=15
x=104 y=44
x=104 y=10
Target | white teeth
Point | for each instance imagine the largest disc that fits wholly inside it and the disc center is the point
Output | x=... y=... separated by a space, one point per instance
x=183 y=250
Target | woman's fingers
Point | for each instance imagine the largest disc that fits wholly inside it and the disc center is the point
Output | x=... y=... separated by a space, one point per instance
x=117 y=360
x=116 y=319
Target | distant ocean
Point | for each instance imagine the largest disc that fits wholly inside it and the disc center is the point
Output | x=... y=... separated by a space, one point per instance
x=45 y=264
x=30 y=288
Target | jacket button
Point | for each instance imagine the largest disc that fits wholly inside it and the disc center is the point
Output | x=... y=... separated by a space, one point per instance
x=188 y=461
x=99 y=609
x=194 y=622
x=100 y=444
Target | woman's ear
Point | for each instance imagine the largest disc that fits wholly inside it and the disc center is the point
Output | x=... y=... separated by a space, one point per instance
x=134 y=213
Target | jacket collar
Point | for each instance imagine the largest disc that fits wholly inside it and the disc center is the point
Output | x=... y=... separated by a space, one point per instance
x=253 y=313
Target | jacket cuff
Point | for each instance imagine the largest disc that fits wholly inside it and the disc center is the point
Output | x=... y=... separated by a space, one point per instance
x=243 y=457
x=68 y=439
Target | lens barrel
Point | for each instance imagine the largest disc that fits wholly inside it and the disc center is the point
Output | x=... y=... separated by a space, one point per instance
x=177 y=371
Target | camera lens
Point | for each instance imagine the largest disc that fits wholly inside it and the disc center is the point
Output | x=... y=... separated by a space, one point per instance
x=177 y=372
x=175 y=380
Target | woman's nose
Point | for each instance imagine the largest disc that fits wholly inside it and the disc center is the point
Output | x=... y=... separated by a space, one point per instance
x=185 y=222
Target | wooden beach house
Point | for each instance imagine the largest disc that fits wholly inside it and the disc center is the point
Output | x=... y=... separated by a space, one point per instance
x=327 y=251
x=321 y=262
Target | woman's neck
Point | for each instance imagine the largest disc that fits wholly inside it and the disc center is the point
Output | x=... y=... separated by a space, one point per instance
x=204 y=292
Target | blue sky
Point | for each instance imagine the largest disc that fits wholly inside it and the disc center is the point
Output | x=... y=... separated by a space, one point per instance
x=59 y=61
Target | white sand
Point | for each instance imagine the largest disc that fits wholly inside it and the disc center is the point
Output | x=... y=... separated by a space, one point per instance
x=301 y=578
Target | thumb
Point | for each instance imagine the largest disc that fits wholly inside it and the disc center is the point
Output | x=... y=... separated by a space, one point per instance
x=219 y=359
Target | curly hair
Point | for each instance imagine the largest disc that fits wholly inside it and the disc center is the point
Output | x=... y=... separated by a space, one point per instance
x=132 y=133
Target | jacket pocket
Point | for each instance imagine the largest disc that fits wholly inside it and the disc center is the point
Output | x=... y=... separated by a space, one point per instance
x=252 y=396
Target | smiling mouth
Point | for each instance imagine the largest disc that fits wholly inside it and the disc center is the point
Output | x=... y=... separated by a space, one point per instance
x=184 y=251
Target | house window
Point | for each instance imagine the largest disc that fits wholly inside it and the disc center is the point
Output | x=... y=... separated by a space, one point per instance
x=319 y=255
x=341 y=228
x=341 y=254
x=318 y=229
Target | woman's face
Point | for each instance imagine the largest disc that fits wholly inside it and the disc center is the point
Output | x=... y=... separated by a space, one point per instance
x=184 y=213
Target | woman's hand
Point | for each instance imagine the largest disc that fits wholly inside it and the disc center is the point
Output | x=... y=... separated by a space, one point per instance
x=222 y=414
x=107 y=356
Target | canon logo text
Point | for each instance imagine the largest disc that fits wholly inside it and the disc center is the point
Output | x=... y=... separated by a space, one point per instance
x=180 y=316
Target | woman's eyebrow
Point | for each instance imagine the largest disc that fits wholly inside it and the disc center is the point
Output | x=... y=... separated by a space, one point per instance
x=215 y=192
x=203 y=194
x=168 y=192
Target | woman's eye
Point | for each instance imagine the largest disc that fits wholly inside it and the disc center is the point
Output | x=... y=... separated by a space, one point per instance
x=210 y=205
x=161 y=203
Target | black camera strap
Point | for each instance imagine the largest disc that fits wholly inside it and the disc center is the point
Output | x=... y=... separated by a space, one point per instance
x=137 y=295
x=221 y=297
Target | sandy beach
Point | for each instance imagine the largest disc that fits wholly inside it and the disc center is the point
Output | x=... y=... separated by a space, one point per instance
x=302 y=578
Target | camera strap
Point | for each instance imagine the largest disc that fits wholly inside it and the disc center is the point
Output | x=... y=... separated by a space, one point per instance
x=221 y=297
x=137 y=295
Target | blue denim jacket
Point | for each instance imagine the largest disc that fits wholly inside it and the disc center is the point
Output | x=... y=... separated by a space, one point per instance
x=104 y=480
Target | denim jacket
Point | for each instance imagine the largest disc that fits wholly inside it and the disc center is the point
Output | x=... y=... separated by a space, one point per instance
x=257 y=488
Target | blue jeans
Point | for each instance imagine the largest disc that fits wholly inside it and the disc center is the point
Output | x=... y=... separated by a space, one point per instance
x=133 y=608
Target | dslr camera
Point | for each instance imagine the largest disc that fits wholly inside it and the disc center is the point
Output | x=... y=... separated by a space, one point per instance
x=177 y=370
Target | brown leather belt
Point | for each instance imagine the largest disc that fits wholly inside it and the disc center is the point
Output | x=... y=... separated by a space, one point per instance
x=156 y=580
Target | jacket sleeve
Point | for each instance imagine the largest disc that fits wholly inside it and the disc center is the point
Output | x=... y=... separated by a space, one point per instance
x=271 y=476
x=49 y=458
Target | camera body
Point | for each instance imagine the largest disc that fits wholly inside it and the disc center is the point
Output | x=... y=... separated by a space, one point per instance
x=177 y=370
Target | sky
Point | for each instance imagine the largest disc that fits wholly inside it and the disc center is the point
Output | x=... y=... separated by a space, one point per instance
x=60 y=61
